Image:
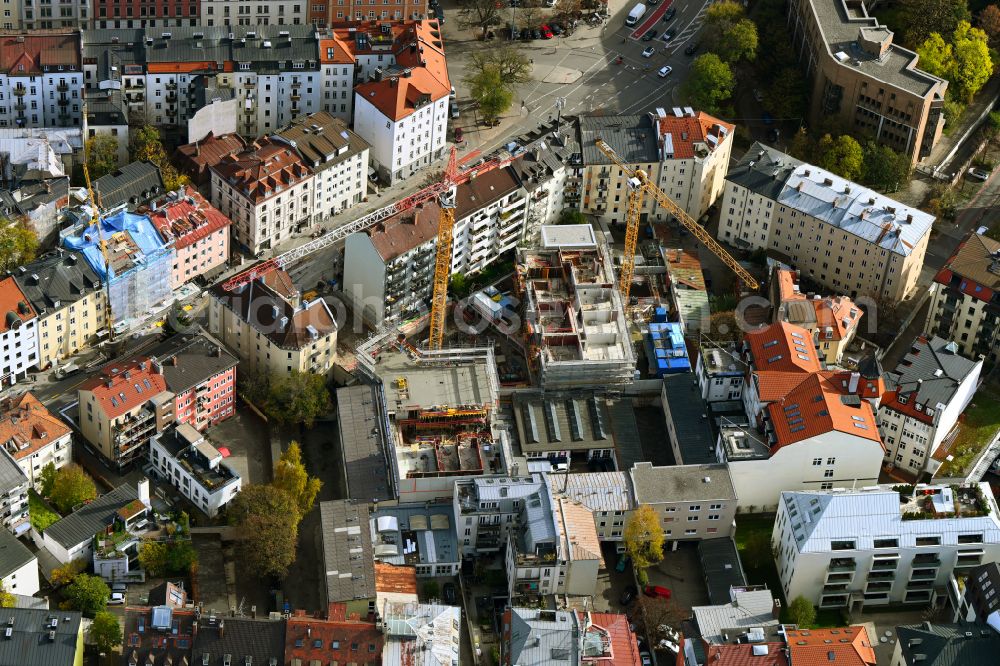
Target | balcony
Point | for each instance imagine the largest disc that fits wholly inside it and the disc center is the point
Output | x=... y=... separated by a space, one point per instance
x=927 y=560
x=923 y=574
x=62 y=87
x=134 y=85
x=296 y=96
x=842 y=565
x=64 y=113
x=20 y=106
x=171 y=97
x=63 y=101
x=20 y=91
x=296 y=85
x=171 y=85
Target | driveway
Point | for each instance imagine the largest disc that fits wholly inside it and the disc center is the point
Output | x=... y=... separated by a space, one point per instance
x=245 y=435
x=680 y=572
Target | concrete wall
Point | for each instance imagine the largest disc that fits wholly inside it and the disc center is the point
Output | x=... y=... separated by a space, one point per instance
x=218 y=117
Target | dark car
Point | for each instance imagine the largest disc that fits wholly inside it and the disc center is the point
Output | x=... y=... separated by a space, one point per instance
x=628 y=596
x=439 y=14
x=669 y=16
x=691 y=49
x=648 y=37
x=536 y=34
x=450 y=597
x=556 y=28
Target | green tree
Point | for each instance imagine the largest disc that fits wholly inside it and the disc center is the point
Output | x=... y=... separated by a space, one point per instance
x=290 y=475
x=102 y=155
x=66 y=573
x=643 y=537
x=571 y=216
x=511 y=63
x=459 y=285
x=267 y=519
x=709 y=83
x=786 y=94
x=145 y=144
x=885 y=169
x=721 y=16
x=935 y=55
x=757 y=549
x=479 y=14
x=922 y=17
x=18 y=243
x=72 y=486
x=491 y=92
x=172 y=178
x=87 y=594
x=153 y=557
x=297 y=398
x=738 y=42
x=106 y=632
x=47 y=479
x=7 y=600
x=843 y=156
x=802 y=612
x=972 y=66
x=181 y=556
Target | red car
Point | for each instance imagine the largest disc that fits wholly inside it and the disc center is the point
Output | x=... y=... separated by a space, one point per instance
x=546 y=32
x=656 y=591
x=459 y=135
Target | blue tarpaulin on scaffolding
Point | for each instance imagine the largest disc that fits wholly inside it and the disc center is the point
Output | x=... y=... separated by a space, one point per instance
x=141 y=262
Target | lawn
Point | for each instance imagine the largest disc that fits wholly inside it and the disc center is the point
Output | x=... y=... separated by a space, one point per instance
x=41 y=514
x=977 y=427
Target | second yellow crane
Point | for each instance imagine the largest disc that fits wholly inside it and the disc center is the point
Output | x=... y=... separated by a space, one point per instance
x=639 y=186
x=96 y=221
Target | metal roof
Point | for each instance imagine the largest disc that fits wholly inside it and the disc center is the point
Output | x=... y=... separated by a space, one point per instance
x=933 y=369
x=421 y=634
x=695 y=440
x=347 y=550
x=748 y=608
x=721 y=568
x=88 y=520
x=948 y=644
x=13 y=554
x=137 y=180
x=29 y=643
x=365 y=463
x=598 y=491
x=544 y=636
x=11 y=475
x=430 y=527
x=633 y=138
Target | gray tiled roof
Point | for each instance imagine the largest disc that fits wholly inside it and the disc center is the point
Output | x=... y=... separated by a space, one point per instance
x=140 y=180
x=63 y=277
x=756 y=170
x=29 y=644
x=11 y=475
x=696 y=443
x=632 y=137
x=212 y=44
x=949 y=644
x=347 y=550
x=13 y=554
x=85 y=522
x=919 y=372
x=241 y=637
x=322 y=140
x=106 y=109
x=749 y=608
x=365 y=464
x=198 y=357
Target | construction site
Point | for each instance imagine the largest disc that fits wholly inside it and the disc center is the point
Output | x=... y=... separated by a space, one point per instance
x=139 y=262
x=575 y=328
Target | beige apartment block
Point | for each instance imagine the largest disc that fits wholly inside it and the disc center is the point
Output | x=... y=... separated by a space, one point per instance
x=859 y=77
x=839 y=234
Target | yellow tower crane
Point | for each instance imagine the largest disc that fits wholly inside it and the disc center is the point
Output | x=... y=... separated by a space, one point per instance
x=96 y=221
x=639 y=186
x=442 y=270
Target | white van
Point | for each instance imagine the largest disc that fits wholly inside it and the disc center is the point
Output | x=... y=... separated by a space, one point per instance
x=637 y=13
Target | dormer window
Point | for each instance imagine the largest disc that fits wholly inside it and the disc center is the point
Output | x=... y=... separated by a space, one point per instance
x=902 y=398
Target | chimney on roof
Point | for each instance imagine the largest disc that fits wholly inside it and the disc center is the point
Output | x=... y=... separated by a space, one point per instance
x=852 y=386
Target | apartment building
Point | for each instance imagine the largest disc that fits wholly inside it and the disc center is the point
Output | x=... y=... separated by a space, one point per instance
x=965 y=296
x=925 y=395
x=42 y=15
x=389 y=267
x=833 y=321
x=403 y=111
x=846 y=237
x=928 y=644
x=487 y=510
x=720 y=370
x=574 y=316
x=609 y=496
x=18 y=567
x=18 y=333
x=56 y=636
x=876 y=546
x=42 y=80
x=692 y=501
x=246 y=13
x=106 y=115
x=33 y=437
x=534 y=636
x=267 y=191
x=136 y=14
x=186 y=379
x=358 y=10
x=133 y=185
x=560 y=427
x=271 y=329
x=974 y=593
x=14 y=486
x=337 y=157
x=198 y=231
x=685 y=153
x=862 y=79
x=72 y=537
x=416 y=537
x=195 y=159
x=688 y=290
x=810 y=428
x=544 y=172
x=70 y=301
x=348 y=549
x=11 y=14
x=189 y=461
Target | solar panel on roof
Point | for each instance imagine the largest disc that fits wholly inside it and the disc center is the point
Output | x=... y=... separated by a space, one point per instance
x=575 y=422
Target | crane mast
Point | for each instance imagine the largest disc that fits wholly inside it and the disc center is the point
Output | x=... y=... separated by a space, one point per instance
x=96 y=221
x=633 y=213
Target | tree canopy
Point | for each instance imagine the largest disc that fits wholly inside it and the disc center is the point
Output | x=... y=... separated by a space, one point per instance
x=643 y=538
x=87 y=594
x=973 y=65
x=145 y=144
x=18 y=243
x=842 y=156
x=267 y=517
x=885 y=169
x=7 y=600
x=922 y=17
x=106 y=632
x=165 y=558
x=102 y=155
x=290 y=475
x=479 y=13
x=802 y=612
x=709 y=83
x=989 y=21
x=492 y=93
x=72 y=486
x=571 y=216
x=297 y=398
x=510 y=62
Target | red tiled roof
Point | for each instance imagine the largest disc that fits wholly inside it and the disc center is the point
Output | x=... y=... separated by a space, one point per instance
x=331 y=641
x=121 y=389
x=26 y=425
x=849 y=646
x=197 y=157
x=687 y=131
x=398 y=579
x=783 y=346
x=775 y=384
x=819 y=405
x=684 y=268
x=14 y=306
x=187 y=223
x=259 y=170
x=405 y=231
x=624 y=649
x=891 y=401
x=30 y=53
x=743 y=655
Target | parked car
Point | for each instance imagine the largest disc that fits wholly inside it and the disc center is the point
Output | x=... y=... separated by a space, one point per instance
x=454 y=110
x=656 y=591
x=556 y=29
x=459 y=135
x=669 y=16
x=546 y=32
x=646 y=659
x=116 y=599
x=450 y=596
x=692 y=48
x=536 y=34
x=664 y=71
x=628 y=595
x=119 y=587
x=669 y=34
x=978 y=174
x=648 y=52
x=439 y=14
x=648 y=37
x=622 y=563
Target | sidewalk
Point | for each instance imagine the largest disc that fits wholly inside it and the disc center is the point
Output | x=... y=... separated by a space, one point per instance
x=949 y=142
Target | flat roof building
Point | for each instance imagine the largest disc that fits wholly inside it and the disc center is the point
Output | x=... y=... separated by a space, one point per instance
x=348 y=555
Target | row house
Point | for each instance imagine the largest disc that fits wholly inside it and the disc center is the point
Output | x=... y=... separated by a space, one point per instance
x=331 y=13
x=33 y=437
x=833 y=321
x=41 y=80
x=227 y=13
x=199 y=232
x=18 y=333
x=46 y=15
x=138 y=14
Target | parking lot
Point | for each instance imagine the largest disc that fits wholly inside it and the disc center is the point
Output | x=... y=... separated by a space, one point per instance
x=245 y=435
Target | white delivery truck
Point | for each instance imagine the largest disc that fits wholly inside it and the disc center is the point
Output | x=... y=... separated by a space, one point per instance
x=637 y=13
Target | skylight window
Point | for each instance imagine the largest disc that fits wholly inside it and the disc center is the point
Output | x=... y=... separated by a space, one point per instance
x=794 y=421
x=798 y=428
x=770 y=343
x=792 y=406
x=796 y=334
x=114 y=403
x=774 y=358
x=803 y=357
x=858 y=418
x=861 y=425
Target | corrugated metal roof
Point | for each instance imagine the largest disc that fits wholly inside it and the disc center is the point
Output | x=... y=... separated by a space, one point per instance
x=750 y=608
x=598 y=491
